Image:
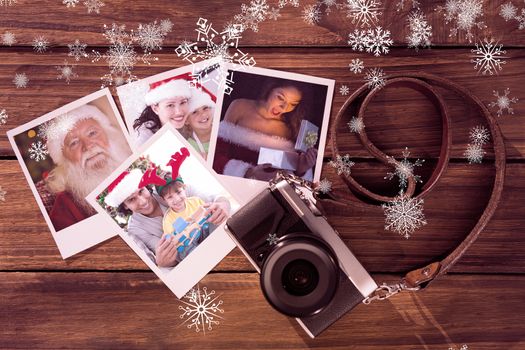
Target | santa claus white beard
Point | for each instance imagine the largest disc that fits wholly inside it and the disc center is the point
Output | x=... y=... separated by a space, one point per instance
x=95 y=166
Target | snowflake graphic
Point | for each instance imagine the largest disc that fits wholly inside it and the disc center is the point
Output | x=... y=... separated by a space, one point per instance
x=356 y=125
x=20 y=80
x=2 y=194
x=405 y=169
x=356 y=66
x=344 y=90
x=38 y=151
x=166 y=26
x=328 y=5
x=274 y=13
x=474 y=153
x=375 y=78
x=40 y=44
x=8 y=39
x=311 y=14
x=201 y=309
x=66 y=72
x=93 y=5
x=487 y=57
x=357 y=40
x=324 y=186
x=219 y=47
x=508 y=11
x=70 y=3
x=77 y=50
x=7 y=2
x=3 y=116
x=400 y=6
x=374 y=41
x=343 y=164
x=150 y=36
x=404 y=215
x=283 y=3
x=272 y=239
x=465 y=14
x=419 y=31
x=479 y=135
x=364 y=12
x=503 y=102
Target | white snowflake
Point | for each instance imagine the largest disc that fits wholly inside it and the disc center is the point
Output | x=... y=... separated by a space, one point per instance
x=479 y=135
x=200 y=309
x=272 y=239
x=375 y=78
x=2 y=194
x=7 y=2
x=20 y=80
x=70 y=3
x=474 y=153
x=503 y=102
x=374 y=41
x=311 y=14
x=356 y=124
x=274 y=13
x=419 y=30
x=356 y=66
x=166 y=26
x=343 y=164
x=38 y=151
x=93 y=5
x=404 y=215
x=357 y=40
x=344 y=90
x=508 y=11
x=40 y=44
x=283 y=3
x=401 y=5
x=150 y=36
x=324 y=186
x=487 y=57
x=66 y=72
x=364 y=12
x=3 y=116
x=329 y=4
x=8 y=39
x=405 y=169
x=465 y=14
x=77 y=50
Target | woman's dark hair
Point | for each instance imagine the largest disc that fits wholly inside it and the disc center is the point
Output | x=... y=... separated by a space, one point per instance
x=293 y=118
x=148 y=115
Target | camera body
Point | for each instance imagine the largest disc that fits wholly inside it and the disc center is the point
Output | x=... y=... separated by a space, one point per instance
x=307 y=271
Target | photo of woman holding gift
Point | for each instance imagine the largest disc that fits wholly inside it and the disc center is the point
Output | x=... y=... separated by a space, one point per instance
x=270 y=124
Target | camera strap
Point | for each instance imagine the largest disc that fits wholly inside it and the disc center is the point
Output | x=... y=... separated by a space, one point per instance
x=356 y=104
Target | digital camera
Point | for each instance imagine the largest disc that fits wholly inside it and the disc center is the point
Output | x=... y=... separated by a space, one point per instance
x=306 y=270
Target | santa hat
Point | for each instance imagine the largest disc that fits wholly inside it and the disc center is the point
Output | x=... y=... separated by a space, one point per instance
x=123 y=187
x=56 y=130
x=200 y=99
x=168 y=88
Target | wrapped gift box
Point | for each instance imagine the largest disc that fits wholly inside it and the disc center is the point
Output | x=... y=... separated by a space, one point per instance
x=278 y=159
x=307 y=137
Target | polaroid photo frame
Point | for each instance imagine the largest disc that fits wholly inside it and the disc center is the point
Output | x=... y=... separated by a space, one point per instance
x=39 y=147
x=143 y=232
x=189 y=89
x=257 y=126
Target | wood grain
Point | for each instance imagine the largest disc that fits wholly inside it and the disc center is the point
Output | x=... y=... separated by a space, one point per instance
x=135 y=311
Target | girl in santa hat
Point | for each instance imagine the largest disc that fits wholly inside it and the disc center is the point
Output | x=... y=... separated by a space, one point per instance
x=199 y=121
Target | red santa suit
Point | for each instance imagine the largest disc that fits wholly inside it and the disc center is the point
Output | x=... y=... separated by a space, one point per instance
x=237 y=148
x=66 y=211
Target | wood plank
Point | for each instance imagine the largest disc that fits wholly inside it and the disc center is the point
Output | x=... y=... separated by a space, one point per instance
x=62 y=25
x=451 y=209
x=398 y=117
x=134 y=310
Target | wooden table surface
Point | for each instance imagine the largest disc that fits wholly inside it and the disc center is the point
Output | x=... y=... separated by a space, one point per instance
x=106 y=298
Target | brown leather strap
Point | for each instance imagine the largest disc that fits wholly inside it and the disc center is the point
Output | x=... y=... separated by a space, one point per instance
x=426 y=83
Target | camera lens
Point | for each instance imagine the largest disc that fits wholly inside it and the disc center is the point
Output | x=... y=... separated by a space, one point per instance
x=300 y=277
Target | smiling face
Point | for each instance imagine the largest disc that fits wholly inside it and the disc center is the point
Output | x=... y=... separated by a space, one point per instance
x=282 y=100
x=175 y=196
x=201 y=119
x=141 y=201
x=173 y=110
x=87 y=145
